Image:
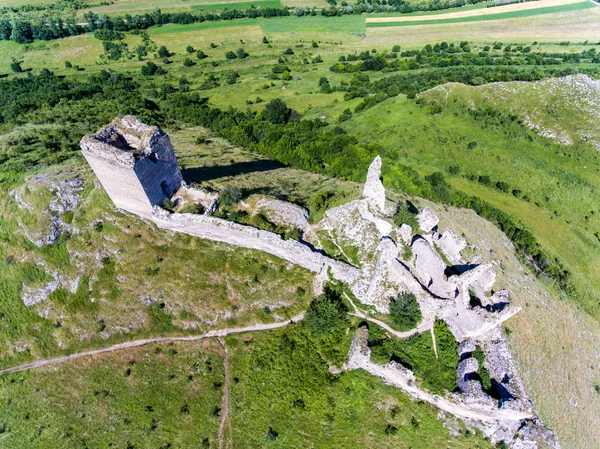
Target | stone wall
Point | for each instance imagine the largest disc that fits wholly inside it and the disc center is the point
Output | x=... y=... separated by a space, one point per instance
x=216 y=229
x=135 y=163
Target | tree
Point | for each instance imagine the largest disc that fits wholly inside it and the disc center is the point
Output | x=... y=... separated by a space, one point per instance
x=5 y=30
x=201 y=55
x=230 y=55
x=314 y=44
x=187 y=62
x=285 y=76
x=15 y=66
x=405 y=312
x=213 y=45
x=241 y=53
x=231 y=77
x=288 y=51
x=163 y=52
x=277 y=112
x=327 y=314
x=396 y=48
x=265 y=40
x=22 y=32
x=149 y=69
x=189 y=49
x=68 y=65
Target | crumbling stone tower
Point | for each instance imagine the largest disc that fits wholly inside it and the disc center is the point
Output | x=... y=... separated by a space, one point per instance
x=135 y=163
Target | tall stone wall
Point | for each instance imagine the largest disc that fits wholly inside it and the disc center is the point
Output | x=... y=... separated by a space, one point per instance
x=216 y=229
x=135 y=163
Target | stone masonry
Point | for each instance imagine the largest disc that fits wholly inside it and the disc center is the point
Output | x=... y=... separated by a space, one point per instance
x=135 y=163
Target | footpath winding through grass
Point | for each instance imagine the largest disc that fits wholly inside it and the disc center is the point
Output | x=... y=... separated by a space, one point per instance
x=485 y=17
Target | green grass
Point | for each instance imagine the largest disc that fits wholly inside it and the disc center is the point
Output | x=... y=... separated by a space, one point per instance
x=554 y=178
x=295 y=26
x=492 y=16
x=238 y=5
x=144 y=397
x=281 y=383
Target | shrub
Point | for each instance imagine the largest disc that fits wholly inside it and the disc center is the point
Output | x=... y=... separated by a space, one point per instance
x=15 y=66
x=68 y=65
x=327 y=314
x=213 y=45
x=314 y=44
x=201 y=55
x=406 y=214
x=193 y=209
x=168 y=204
x=265 y=40
x=288 y=51
x=189 y=49
x=163 y=52
x=230 y=55
x=149 y=69
x=241 y=53
x=187 y=62
x=396 y=48
x=230 y=195
x=405 y=312
x=280 y=68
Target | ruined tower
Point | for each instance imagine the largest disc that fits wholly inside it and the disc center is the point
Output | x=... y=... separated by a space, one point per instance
x=135 y=163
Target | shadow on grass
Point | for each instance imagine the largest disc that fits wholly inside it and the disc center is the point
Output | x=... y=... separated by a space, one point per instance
x=200 y=174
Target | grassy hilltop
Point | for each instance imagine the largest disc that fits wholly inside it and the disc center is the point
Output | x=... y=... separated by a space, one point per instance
x=468 y=108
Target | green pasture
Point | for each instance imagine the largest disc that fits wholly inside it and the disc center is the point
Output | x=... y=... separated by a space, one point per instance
x=154 y=396
x=492 y=16
x=284 y=396
x=238 y=5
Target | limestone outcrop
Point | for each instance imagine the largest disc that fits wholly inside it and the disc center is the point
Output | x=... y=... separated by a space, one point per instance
x=427 y=220
x=374 y=190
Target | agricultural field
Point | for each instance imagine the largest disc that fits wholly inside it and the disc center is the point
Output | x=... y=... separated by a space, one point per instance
x=474 y=109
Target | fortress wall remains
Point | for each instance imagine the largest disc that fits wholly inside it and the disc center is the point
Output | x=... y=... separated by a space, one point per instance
x=216 y=229
x=121 y=184
x=159 y=173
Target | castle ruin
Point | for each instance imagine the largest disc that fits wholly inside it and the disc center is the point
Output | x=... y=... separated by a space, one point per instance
x=135 y=163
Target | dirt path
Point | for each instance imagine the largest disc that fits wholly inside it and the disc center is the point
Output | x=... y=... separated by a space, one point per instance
x=136 y=343
x=398 y=379
x=424 y=326
x=433 y=341
x=225 y=401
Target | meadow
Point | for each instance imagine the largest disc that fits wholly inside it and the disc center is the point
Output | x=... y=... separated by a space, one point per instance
x=547 y=187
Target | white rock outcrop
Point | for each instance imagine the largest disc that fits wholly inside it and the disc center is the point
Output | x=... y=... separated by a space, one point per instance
x=427 y=220
x=374 y=190
x=451 y=245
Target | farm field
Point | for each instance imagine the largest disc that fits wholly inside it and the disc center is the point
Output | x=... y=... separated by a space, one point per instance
x=510 y=11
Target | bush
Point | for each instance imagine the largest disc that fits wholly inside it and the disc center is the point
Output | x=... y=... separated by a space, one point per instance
x=230 y=55
x=189 y=49
x=15 y=66
x=187 y=62
x=396 y=48
x=327 y=314
x=68 y=65
x=230 y=195
x=241 y=53
x=193 y=209
x=163 y=52
x=406 y=214
x=149 y=69
x=288 y=51
x=201 y=55
x=405 y=312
